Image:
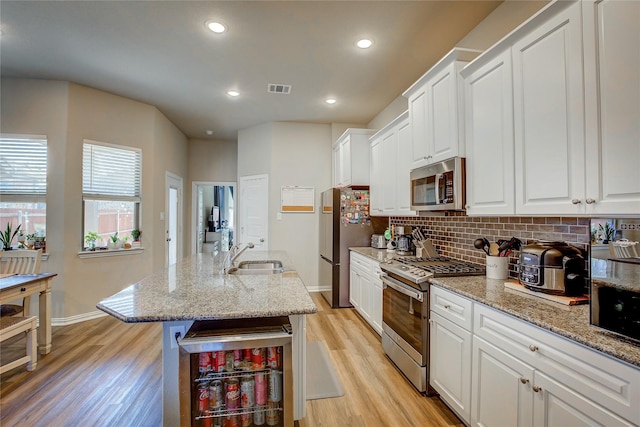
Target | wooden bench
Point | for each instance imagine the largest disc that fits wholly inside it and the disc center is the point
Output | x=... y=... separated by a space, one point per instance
x=12 y=326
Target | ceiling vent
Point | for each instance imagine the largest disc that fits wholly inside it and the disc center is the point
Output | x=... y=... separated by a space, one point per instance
x=278 y=88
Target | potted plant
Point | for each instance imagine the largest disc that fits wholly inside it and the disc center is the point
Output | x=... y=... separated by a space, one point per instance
x=114 y=241
x=90 y=239
x=135 y=235
x=125 y=242
x=607 y=232
x=7 y=236
x=30 y=240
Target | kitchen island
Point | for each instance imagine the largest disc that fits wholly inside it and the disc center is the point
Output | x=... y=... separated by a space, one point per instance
x=190 y=290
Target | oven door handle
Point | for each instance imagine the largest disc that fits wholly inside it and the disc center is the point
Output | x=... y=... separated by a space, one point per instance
x=386 y=282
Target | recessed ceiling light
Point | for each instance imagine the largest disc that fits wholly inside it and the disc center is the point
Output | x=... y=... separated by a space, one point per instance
x=330 y=101
x=216 y=27
x=364 y=43
x=209 y=132
x=233 y=93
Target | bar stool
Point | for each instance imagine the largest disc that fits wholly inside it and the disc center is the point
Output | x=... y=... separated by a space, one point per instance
x=11 y=326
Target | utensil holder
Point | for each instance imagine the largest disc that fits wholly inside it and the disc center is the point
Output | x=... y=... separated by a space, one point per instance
x=497 y=267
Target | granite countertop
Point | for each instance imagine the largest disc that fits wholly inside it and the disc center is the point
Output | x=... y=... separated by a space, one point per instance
x=621 y=275
x=189 y=290
x=571 y=322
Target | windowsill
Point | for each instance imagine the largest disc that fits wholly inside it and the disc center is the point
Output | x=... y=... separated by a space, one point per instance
x=109 y=252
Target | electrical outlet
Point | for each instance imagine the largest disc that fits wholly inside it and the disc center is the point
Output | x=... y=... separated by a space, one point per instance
x=176 y=333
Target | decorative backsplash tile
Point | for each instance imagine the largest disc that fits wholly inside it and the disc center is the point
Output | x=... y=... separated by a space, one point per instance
x=454 y=234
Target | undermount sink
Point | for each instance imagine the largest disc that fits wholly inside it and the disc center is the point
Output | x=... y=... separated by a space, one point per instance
x=257 y=267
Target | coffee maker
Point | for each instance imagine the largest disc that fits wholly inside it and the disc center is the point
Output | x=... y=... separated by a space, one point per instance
x=403 y=237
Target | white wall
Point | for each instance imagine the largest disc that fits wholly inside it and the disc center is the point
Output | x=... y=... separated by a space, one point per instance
x=67 y=114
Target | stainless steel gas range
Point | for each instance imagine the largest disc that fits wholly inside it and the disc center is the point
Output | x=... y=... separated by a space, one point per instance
x=405 y=310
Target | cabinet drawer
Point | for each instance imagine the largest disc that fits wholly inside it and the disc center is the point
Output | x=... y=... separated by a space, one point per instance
x=360 y=261
x=613 y=384
x=452 y=307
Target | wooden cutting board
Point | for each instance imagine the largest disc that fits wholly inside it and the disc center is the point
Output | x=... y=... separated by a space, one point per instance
x=566 y=300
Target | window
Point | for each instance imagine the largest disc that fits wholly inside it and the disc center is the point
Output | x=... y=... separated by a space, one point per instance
x=23 y=185
x=111 y=184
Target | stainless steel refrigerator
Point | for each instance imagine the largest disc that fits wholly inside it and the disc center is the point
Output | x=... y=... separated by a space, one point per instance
x=344 y=223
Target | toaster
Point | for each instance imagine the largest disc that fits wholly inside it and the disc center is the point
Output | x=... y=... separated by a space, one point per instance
x=378 y=241
x=553 y=267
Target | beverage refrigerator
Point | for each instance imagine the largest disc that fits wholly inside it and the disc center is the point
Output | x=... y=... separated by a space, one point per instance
x=344 y=223
x=237 y=373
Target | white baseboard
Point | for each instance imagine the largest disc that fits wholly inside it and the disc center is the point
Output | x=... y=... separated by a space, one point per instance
x=65 y=321
x=318 y=288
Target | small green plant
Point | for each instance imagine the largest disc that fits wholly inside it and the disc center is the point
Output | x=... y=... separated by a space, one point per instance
x=135 y=234
x=7 y=236
x=114 y=238
x=607 y=232
x=91 y=238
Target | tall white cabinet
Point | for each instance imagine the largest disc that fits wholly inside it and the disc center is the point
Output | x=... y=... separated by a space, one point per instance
x=553 y=114
x=435 y=110
x=390 y=169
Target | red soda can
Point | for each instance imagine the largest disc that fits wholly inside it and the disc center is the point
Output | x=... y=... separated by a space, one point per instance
x=272 y=357
x=261 y=388
x=204 y=364
x=231 y=421
x=232 y=394
x=220 y=361
x=258 y=358
x=246 y=420
x=203 y=397
x=247 y=354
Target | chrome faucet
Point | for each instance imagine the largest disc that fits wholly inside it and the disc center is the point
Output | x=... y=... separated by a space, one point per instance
x=234 y=253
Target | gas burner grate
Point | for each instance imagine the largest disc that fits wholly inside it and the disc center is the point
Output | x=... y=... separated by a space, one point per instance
x=443 y=266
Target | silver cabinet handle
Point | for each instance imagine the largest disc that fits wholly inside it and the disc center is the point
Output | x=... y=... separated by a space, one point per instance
x=536 y=388
x=590 y=201
x=524 y=380
x=533 y=347
x=576 y=201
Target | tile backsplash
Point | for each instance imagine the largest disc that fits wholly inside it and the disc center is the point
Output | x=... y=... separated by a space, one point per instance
x=454 y=234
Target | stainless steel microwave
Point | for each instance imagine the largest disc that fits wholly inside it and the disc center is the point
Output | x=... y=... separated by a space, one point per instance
x=439 y=186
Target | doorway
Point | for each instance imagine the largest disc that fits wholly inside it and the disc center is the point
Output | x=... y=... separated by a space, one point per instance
x=213 y=221
x=254 y=205
x=173 y=219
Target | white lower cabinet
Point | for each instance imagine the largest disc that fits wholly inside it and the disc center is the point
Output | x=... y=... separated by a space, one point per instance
x=523 y=375
x=365 y=289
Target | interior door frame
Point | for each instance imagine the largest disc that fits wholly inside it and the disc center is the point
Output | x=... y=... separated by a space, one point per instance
x=173 y=181
x=194 y=207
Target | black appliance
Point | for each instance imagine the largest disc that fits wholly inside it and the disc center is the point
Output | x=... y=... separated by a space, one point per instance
x=616 y=309
x=554 y=268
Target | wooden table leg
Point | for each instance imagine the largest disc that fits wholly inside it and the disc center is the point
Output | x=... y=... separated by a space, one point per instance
x=44 y=316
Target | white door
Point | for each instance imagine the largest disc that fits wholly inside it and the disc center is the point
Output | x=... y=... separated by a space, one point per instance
x=173 y=219
x=254 y=211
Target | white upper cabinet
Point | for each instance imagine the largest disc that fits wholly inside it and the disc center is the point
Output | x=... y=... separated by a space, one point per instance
x=435 y=103
x=351 y=163
x=612 y=106
x=390 y=168
x=548 y=99
x=489 y=135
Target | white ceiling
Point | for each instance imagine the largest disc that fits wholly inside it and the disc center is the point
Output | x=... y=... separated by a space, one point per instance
x=160 y=53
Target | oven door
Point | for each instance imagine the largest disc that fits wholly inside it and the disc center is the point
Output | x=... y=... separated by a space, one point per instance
x=405 y=317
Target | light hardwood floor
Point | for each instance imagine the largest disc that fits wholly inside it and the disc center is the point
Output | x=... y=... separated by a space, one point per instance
x=107 y=373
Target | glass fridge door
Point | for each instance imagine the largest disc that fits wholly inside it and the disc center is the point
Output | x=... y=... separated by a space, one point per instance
x=237 y=373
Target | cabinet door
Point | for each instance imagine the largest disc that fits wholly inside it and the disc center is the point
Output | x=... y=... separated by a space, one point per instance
x=390 y=165
x=500 y=388
x=376 y=189
x=365 y=296
x=376 y=303
x=489 y=138
x=354 y=288
x=557 y=405
x=442 y=113
x=418 y=116
x=345 y=161
x=403 y=182
x=612 y=105
x=548 y=116
x=336 y=166
x=450 y=364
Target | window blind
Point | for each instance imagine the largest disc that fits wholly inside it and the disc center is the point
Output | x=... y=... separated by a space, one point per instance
x=23 y=167
x=111 y=172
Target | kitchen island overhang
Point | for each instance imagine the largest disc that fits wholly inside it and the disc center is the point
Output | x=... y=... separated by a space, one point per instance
x=190 y=291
